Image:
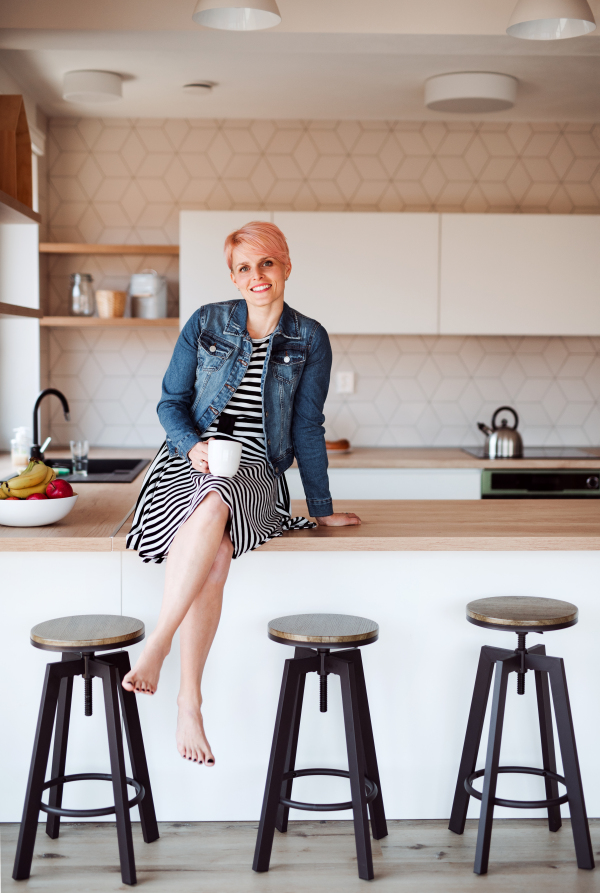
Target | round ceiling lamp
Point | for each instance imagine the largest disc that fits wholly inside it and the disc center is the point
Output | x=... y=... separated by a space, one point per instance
x=249 y=15
x=200 y=88
x=470 y=92
x=551 y=19
x=92 y=86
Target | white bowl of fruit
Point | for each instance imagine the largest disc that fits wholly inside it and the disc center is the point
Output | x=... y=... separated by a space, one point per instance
x=35 y=497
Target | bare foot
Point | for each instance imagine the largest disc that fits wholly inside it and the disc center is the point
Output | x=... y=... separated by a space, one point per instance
x=191 y=740
x=143 y=679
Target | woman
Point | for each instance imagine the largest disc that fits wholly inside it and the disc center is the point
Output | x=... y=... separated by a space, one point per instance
x=257 y=371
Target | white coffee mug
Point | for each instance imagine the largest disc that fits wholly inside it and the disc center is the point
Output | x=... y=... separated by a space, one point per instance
x=224 y=457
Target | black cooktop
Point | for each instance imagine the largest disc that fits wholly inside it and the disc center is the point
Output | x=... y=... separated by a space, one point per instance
x=539 y=453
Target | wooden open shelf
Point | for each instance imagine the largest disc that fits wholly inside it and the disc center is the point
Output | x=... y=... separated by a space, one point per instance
x=82 y=248
x=14 y=211
x=17 y=310
x=84 y=322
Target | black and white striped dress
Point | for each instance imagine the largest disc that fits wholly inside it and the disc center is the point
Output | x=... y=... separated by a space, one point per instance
x=258 y=502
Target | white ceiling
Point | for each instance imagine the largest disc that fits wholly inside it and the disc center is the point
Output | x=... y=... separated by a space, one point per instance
x=374 y=67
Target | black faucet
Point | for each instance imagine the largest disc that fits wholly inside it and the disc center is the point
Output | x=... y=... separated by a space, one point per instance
x=35 y=452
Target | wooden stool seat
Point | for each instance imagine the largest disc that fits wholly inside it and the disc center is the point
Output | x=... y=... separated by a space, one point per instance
x=87 y=632
x=328 y=630
x=522 y=613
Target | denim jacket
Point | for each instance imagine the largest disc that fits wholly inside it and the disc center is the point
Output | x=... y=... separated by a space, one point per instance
x=209 y=361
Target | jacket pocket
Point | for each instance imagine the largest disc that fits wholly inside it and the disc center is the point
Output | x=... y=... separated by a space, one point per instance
x=287 y=364
x=212 y=351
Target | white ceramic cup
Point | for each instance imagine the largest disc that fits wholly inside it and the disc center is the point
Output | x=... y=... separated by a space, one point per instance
x=224 y=457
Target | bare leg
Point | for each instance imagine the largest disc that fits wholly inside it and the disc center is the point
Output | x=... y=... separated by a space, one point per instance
x=196 y=635
x=191 y=557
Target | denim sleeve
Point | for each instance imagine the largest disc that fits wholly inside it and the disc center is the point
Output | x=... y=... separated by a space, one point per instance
x=308 y=433
x=178 y=390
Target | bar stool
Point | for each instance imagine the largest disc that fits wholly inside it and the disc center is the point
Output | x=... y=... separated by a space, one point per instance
x=314 y=636
x=522 y=615
x=78 y=638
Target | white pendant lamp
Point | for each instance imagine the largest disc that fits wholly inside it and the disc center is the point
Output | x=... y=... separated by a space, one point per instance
x=237 y=15
x=92 y=86
x=470 y=92
x=551 y=19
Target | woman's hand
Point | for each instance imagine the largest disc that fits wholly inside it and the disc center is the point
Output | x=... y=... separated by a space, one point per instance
x=198 y=456
x=339 y=519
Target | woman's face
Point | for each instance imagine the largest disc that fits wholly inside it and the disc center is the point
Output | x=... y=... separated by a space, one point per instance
x=260 y=279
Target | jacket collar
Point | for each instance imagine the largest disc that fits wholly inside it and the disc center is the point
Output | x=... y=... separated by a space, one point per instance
x=288 y=324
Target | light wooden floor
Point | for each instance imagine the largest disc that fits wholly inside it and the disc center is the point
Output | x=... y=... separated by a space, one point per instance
x=313 y=857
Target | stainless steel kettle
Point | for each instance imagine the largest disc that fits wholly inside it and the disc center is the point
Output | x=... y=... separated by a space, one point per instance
x=502 y=442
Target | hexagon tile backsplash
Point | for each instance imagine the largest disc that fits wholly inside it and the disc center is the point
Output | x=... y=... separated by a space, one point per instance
x=117 y=180
x=410 y=391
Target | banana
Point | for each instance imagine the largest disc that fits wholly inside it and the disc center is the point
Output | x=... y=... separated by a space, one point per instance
x=2 y=494
x=24 y=492
x=29 y=478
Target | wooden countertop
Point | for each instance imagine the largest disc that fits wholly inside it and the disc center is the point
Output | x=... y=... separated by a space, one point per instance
x=446 y=525
x=396 y=457
x=99 y=522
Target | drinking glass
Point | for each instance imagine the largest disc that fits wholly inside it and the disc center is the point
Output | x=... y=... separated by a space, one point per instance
x=79 y=455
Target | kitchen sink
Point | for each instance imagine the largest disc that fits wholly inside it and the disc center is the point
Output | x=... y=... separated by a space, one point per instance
x=102 y=471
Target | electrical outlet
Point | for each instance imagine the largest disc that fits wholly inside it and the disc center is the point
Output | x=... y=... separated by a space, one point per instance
x=344 y=382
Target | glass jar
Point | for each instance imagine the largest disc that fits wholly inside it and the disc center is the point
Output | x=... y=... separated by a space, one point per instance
x=82 y=295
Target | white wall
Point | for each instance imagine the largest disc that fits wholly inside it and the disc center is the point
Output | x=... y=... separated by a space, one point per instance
x=19 y=374
x=19 y=336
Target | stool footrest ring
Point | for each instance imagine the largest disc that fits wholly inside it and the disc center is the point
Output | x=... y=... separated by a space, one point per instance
x=89 y=813
x=370 y=788
x=519 y=804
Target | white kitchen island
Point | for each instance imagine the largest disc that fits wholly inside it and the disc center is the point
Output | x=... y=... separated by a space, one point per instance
x=412 y=567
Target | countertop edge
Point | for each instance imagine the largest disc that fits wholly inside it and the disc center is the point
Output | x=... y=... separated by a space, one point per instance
x=434 y=544
x=289 y=543
x=56 y=544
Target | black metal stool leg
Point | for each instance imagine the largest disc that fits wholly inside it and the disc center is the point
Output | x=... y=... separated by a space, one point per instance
x=135 y=743
x=39 y=761
x=490 y=778
x=481 y=693
x=283 y=812
x=376 y=810
x=542 y=689
x=555 y=667
x=356 y=763
x=266 y=829
x=111 y=682
x=59 y=757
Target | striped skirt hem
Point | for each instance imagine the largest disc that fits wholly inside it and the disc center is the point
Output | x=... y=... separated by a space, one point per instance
x=258 y=502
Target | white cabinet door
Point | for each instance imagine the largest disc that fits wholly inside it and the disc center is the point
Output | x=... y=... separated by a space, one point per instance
x=204 y=277
x=396 y=483
x=364 y=273
x=510 y=274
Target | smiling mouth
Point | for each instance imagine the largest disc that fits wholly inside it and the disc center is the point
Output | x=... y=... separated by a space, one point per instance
x=259 y=289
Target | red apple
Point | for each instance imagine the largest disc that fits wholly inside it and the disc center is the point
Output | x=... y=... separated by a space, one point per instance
x=12 y=498
x=59 y=489
x=37 y=496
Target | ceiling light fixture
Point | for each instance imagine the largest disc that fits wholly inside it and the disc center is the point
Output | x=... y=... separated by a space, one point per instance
x=249 y=15
x=92 y=86
x=470 y=92
x=200 y=88
x=551 y=19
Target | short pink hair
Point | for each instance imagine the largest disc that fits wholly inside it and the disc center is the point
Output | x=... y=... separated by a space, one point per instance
x=261 y=236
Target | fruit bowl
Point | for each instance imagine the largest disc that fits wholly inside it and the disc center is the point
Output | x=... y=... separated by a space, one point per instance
x=35 y=512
